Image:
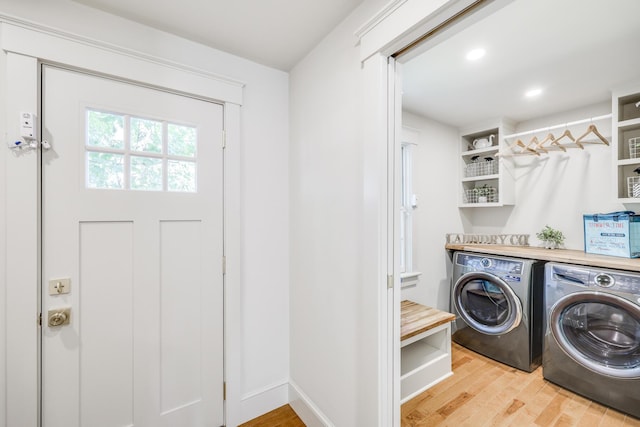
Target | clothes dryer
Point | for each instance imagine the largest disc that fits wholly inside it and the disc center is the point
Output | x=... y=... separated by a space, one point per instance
x=592 y=337
x=498 y=306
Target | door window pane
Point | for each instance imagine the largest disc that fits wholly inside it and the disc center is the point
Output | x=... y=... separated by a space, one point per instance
x=105 y=130
x=146 y=135
x=181 y=140
x=105 y=170
x=146 y=173
x=133 y=153
x=182 y=176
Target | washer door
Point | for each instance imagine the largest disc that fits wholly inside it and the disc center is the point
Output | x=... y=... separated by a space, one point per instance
x=600 y=331
x=487 y=303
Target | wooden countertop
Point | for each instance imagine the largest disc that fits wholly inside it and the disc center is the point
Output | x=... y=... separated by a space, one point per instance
x=568 y=256
x=416 y=318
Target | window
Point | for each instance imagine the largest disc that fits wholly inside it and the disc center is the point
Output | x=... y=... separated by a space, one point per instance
x=125 y=152
x=407 y=204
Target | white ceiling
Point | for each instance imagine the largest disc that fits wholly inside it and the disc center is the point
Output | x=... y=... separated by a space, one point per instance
x=276 y=33
x=575 y=50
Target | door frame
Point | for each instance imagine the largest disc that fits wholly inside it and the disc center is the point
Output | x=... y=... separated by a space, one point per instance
x=26 y=48
x=386 y=40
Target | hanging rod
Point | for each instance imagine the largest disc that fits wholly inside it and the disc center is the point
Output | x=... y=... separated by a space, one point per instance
x=563 y=125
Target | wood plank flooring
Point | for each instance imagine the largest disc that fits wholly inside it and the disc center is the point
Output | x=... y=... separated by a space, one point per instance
x=483 y=392
x=284 y=416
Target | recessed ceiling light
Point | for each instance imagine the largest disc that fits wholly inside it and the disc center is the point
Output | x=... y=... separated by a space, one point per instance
x=533 y=92
x=476 y=54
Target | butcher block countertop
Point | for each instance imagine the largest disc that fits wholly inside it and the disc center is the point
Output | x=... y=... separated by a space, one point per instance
x=416 y=319
x=568 y=256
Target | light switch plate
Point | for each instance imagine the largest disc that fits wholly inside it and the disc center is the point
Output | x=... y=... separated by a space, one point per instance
x=59 y=286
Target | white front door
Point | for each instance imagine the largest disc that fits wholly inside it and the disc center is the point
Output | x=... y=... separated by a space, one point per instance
x=132 y=229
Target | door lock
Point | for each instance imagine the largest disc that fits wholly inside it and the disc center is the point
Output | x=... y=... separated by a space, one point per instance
x=59 y=286
x=59 y=316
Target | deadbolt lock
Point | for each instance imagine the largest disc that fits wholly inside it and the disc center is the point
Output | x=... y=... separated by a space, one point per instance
x=59 y=316
x=59 y=286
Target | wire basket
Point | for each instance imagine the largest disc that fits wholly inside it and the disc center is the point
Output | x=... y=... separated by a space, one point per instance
x=634 y=148
x=481 y=195
x=486 y=167
x=633 y=186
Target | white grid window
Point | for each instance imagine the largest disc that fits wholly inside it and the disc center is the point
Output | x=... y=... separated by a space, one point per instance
x=406 y=210
x=125 y=152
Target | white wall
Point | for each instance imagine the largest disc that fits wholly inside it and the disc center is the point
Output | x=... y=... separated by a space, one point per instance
x=435 y=158
x=557 y=188
x=3 y=276
x=331 y=355
x=326 y=209
x=554 y=189
x=264 y=188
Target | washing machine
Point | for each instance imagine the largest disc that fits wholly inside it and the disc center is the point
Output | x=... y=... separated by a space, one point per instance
x=592 y=337
x=498 y=306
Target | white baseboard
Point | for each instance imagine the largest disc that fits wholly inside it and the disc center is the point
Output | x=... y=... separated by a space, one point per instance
x=263 y=400
x=268 y=398
x=308 y=412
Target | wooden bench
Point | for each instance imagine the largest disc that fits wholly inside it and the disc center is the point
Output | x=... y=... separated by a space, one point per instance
x=425 y=341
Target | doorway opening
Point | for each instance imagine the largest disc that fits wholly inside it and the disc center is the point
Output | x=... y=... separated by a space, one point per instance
x=466 y=111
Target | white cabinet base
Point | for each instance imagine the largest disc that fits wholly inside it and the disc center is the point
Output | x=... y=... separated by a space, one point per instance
x=425 y=357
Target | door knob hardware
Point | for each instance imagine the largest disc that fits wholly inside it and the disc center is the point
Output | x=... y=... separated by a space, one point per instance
x=59 y=286
x=59 y=316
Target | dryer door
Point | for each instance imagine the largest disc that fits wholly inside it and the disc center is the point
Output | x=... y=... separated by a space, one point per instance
x=600 y=331
x=487 y=303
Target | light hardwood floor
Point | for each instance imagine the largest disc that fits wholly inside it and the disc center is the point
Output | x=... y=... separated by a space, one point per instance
x=284 y=416
x=483 y=392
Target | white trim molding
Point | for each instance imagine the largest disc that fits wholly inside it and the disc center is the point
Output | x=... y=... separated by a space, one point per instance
x=33 y=26
x=233 y=373
x=50 y=45
x=402 y=22
x=25 y=46
x=22 y=248
x=304 y=407
x=410 y=279
x=379 y=17
x=263 y=400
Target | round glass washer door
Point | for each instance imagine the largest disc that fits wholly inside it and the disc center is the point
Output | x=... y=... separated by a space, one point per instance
x=487 y=303
x=600 y=331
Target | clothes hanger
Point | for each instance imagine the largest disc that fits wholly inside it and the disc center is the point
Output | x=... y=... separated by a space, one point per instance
x=554 y=142
x=558 y=145
x=536 y=145
x=547 y=138
x=524 y=147
x=567 y=134
x=592 y=129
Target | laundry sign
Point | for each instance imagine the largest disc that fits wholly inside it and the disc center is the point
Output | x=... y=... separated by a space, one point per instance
x=489 y=239
x=615 y=234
